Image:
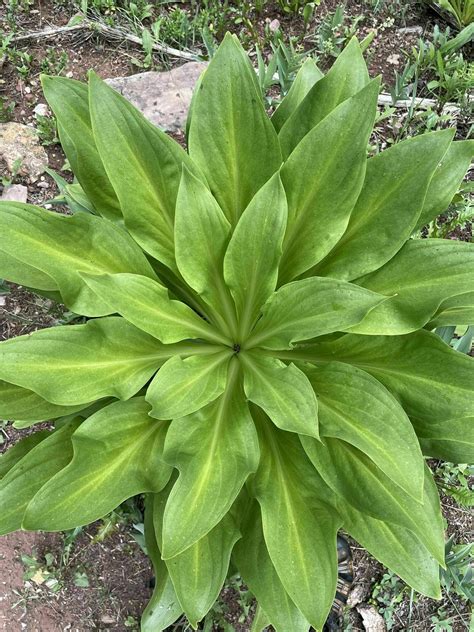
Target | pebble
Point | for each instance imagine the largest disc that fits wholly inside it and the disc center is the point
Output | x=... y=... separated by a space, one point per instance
x=41 y=109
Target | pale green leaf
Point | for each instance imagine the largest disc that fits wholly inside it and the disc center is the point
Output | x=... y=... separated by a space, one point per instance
x=456 y=310
x=254 y=251
x=305 y=79
x=21 y=404
x=253 y=561
x=69 y=100
x=431 y=381
x=182 y=387
x=312 y=307
x=20 y=272
x=420 y=276
x=20 y=449
x=215 y=450
x=117 y=455
x=300 y=531
x=62 y=247
x=201 y=237
x=75 y=364
x=231 y=137
x=355 y=477
x=388 y=206
x=163 y=608
x=322 y=185
x=283 y=392
x=146 y=304
x=449 y=439
x=31 y=473
x=144 y=168
x=446 y=181
x=346 y=78
x=357 y=408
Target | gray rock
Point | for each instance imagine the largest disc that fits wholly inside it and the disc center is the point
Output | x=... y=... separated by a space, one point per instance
x=163 y=97
x=14 y=193
x=21 y=150
x=41 y=109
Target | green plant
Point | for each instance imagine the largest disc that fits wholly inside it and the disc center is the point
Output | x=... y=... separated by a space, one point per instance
x=255 y=360
x=458 y=574
x=461 y=10
x=387 y=595
x=335 y=31
x=47 y=129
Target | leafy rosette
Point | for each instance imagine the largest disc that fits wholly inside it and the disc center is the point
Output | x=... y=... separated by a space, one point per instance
x=257 y=355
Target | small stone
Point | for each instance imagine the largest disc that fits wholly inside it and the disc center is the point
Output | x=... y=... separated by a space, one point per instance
x=43 y=185
x=274 y=25
x=15 y=193
x=371 y=619
x=3 y=300
x=163 y=97
x=107 y=619
x=393 y=59
x=69 y=74
x=22 y=151
x=27 y=89
x=41 y=109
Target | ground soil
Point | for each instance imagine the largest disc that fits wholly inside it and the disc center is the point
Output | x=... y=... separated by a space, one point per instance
x=118 y=572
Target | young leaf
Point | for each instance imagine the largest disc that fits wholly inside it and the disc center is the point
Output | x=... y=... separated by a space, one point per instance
x=283 y=392
x=117 y=454
x=231 y=138
x=182 y=387
x=146 y=304
x=352 y=475
x=215 y=450
x=31 y=473
x=300 y=531
x=142 y=154
x=388 y=206
x=69 y=101
x=307 y=76
x=356 y=408
x=62 y=247
x=421 y=275
x=312 y=307
x=76 y=364
x=346 y=78
x=322 y=187
x=201 y=236
x=253 y=561
x=252 y=257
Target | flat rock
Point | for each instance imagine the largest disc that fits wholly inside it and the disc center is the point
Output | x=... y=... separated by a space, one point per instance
x=163 y=97
x=14 y=193
x=371 y=619
x=21 y=150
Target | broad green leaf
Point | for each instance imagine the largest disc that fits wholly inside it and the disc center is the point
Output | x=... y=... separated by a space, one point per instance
x=182 y=387
x=198 y=573
x=283 y=392
x=146 y=304
x=423 y=274
x=446 y=181
x=21 y=404
x=75 y=364
x=456 y=310
x=357 y=408
x=346 y=78
x=432 y=381
x=62 y=247
x=19 y=272
x=312 y=307
x=215 y=450
x=355 y=477
x=322 y=186
x=388 y=206
x=144 y=168
x=31 y=473
x=163 y=608
x=254 y=251
x=117 y=454
x=450 y=440
x=201 y=236
x=69 y=101
x=20 y=449
x=307 y=76
x=231 y=137
x=253 y=561
x=300 y=531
